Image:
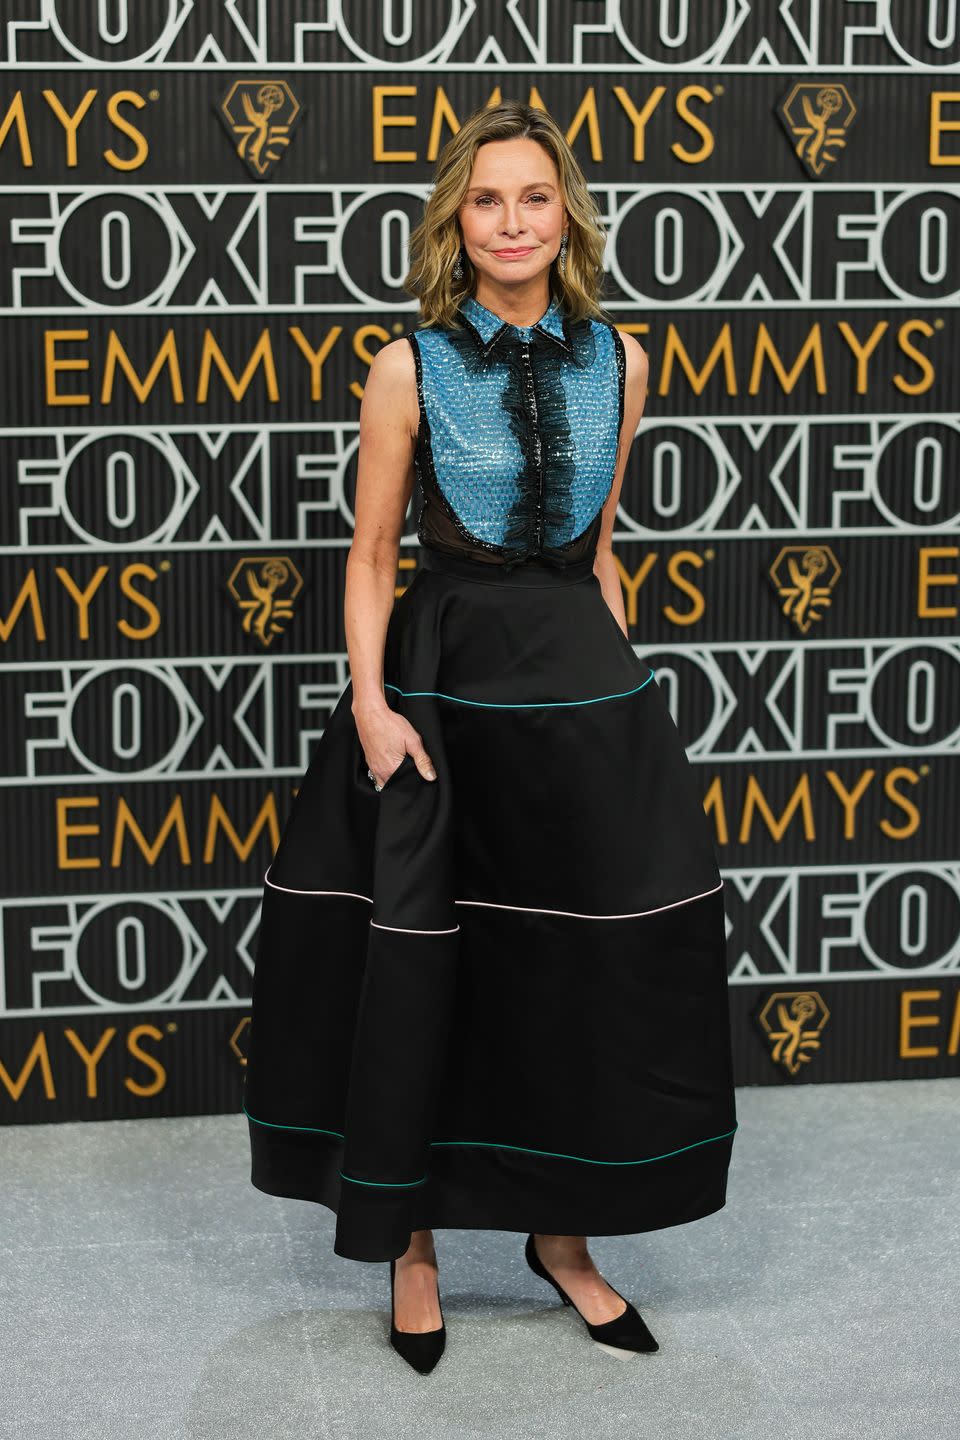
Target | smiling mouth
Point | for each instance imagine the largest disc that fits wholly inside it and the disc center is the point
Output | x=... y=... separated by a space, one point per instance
x=518 y=250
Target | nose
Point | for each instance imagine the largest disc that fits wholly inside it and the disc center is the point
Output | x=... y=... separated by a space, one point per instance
x=512 y=219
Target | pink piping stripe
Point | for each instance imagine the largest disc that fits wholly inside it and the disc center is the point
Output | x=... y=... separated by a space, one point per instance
x=581 y=915
x=495 y=905
x=274 y=886
x=405 y=931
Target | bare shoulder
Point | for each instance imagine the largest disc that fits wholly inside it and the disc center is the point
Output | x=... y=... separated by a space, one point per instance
x=391 y=385
x=638 y=363
x=634 y=381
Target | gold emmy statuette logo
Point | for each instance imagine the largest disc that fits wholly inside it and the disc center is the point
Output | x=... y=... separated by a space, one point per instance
x=239 y=1039
x=816 y=117
x=804 y=575
x=793 y=1022
x=265 y=588
x=260 y=115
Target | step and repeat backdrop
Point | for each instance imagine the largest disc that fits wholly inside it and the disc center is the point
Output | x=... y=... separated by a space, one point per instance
x=204 y=217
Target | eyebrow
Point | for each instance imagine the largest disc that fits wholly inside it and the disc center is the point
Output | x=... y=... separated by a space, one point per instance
x=532 y=185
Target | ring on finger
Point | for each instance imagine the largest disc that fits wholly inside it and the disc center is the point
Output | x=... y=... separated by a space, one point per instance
x=376 y=783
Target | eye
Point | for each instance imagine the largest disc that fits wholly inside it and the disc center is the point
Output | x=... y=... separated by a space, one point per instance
x=481 y=200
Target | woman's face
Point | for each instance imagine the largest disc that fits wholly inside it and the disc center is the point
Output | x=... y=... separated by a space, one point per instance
x=512 y=204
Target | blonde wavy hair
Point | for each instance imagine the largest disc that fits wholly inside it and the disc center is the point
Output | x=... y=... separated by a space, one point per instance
x=436 y=242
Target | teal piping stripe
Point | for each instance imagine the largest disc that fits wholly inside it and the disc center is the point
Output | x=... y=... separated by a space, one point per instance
x=270 y=1125
x=558 y=1155
x=492 y=1145
x=520 y=705
x=384 y=1184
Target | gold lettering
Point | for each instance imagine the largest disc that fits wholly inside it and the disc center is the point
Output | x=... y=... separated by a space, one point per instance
x=443 y=115
x=902 y=772
x=16 y=116
x=38 y=1056
x=674 y=348
x=756 y=800
x=316 y=358
x=126 y=127
x=910 y=1021
x=938 y=125
x=165 y=356
x=151 y=1062
x=174 y=820
x=382 y=122
x=28 y=591
x=849 y=799
x=862 y=349
x=66 y=827
x=953 y=1041
x=70 y=123
x=91 y=1059
x=765 y=347
x=632 y=583
x=127 y=576
x=928 y=374
x=677 y=617
x=53 y=365
x=694 y=157
x=926 y=581
x=638 y=118
x=714 y=804
x=82 y=597
x=586 y=116
x=219 y=818
x=212 y=355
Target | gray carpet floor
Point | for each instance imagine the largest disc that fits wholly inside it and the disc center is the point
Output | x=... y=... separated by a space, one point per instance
x=149 y=1291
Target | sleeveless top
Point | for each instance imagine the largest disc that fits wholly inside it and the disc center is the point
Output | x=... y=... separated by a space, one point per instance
x=518 y=434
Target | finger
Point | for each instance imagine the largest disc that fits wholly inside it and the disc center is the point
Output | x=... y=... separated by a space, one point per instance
x=425 y=765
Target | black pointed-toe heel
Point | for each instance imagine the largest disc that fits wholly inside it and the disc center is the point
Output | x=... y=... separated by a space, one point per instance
x=420 y=1348
x=624 y=1332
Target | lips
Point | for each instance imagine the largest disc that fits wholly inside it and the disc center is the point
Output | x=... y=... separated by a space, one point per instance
x=523 y=250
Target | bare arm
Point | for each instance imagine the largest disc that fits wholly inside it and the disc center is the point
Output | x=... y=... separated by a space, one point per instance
x=389 y=417
x=634 y=399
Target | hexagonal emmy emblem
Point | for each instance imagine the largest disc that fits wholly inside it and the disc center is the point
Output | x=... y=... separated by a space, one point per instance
x=804 y=575
x=793 y=1021
x=259 y=116
x=265 y=587
x=817 y=115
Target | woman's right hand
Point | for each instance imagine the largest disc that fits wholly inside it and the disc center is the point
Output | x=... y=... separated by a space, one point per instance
x=386 y=738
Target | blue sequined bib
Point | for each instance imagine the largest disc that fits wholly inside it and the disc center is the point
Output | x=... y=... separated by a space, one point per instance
x=518 y=434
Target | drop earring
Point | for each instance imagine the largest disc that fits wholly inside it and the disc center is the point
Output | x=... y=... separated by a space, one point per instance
x=457 y=271
x=563 y=254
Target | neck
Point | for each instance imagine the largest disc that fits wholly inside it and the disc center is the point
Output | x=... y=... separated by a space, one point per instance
x=517 y=306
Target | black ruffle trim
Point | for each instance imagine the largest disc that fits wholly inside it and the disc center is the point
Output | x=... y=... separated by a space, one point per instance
x=535 y=401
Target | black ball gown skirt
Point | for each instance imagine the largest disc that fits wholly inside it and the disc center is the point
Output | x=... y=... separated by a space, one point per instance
x=497 y=1000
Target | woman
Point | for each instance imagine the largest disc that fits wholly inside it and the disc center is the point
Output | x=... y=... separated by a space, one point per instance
x=491 y=985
